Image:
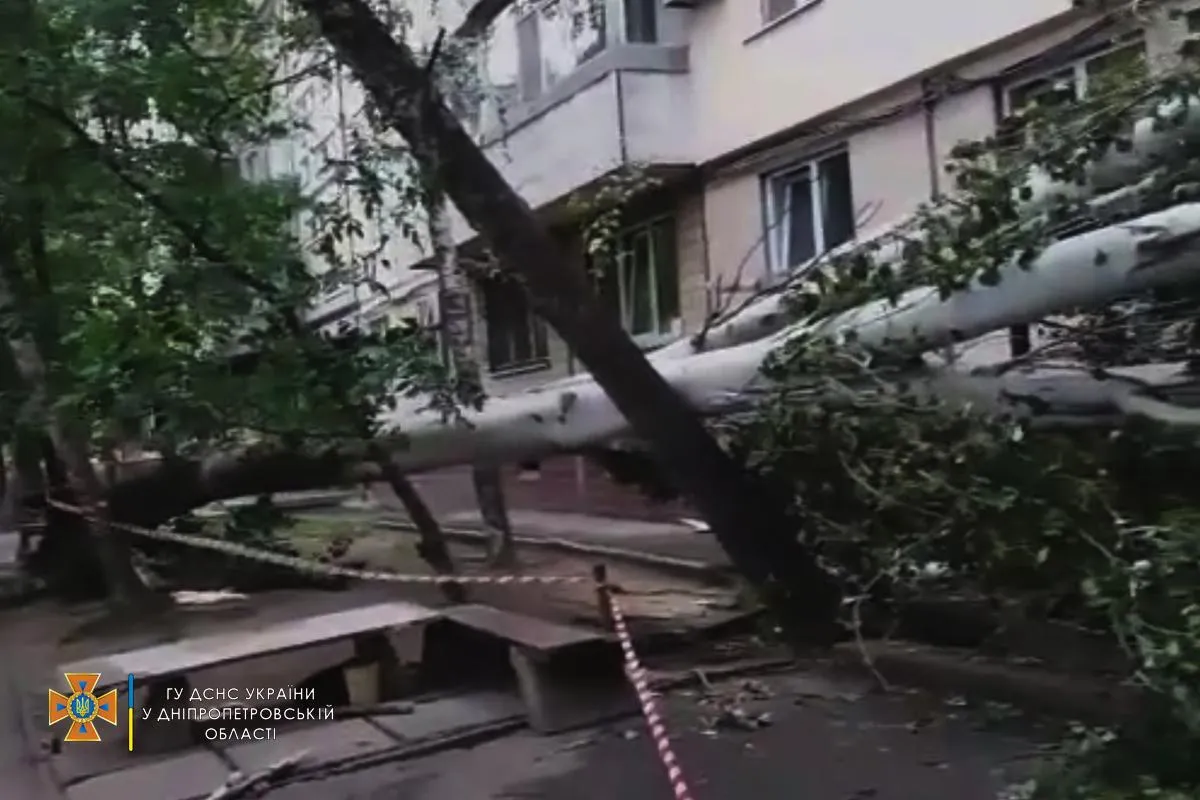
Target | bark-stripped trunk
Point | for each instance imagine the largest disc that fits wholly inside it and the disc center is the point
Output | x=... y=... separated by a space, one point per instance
x=746 y=518
x=457 y=339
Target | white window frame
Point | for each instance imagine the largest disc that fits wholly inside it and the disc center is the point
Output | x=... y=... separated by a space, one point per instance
x=1078 y=68
x=778 y=240
x=665 y=330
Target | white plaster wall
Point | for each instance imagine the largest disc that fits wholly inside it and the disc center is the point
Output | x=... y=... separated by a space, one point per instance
x=659 y=117
x=571 y=144
x=751 y=82
x=889 y=163
x=889 y=170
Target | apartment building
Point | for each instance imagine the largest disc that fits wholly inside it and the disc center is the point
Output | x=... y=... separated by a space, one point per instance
x=372 y=279
x=765 y=126
x=769 y=126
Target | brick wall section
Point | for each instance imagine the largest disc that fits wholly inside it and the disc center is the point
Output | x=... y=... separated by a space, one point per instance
x=565 y=484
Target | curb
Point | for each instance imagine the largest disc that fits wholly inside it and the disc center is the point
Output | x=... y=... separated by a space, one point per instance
x=1083 y=698
x=40 y=761
x=715 y=574
x=301 y=503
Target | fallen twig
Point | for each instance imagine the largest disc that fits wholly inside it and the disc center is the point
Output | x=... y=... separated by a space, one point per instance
x=237 y=785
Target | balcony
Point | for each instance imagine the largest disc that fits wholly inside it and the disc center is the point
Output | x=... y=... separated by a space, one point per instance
x=574 y=96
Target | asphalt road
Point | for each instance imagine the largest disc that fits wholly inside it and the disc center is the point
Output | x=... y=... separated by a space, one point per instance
x=824 y=743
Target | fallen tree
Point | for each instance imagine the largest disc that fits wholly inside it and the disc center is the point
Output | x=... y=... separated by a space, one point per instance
x=1154 y=251
x=745 y=517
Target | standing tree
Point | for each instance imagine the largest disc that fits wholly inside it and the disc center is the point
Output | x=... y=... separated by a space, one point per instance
x=142 y=277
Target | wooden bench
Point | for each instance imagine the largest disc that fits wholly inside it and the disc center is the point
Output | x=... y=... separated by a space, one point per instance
x=166 y=667
x=568 y=676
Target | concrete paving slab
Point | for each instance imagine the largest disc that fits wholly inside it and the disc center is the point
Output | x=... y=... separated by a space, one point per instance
x=836 y=749
x=186 y=777
x=80 y=761
x=444 y=715
x=325 y=743
x=211 y=651
x=10 y=548
x=485 y=772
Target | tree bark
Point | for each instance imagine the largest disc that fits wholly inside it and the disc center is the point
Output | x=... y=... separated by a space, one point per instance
x=126 y=592
x=750 y=524
x=154 y=491
x=457 y=338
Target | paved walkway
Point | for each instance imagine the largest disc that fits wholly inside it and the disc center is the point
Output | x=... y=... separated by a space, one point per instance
x=828 y=739
x=824 y=743
x=658 y=538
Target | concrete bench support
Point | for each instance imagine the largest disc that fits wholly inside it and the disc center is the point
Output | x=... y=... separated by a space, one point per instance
x=574 y=688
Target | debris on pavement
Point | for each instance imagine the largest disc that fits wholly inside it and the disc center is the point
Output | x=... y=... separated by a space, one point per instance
x=238 y=786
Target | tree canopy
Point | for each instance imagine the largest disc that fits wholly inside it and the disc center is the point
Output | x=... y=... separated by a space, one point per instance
x=141 y=251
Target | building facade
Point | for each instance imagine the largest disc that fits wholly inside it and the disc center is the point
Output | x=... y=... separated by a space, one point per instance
x=765 y=128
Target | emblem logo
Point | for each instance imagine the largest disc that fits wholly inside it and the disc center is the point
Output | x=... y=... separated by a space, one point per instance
x=82 y=707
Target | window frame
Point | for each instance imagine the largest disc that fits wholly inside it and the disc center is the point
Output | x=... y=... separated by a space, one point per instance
x=539 y=343
x=534 y=86
x=615 y=31
x=657 y=336
x=777 y=231
x=1078 y=67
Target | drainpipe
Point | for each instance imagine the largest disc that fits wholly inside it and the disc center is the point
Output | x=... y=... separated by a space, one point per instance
x=930 y=97
x=1020 y=337
x=929 y=102
x=622 y=140
x=711 y=301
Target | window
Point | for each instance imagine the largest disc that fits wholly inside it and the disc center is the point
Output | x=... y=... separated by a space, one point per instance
x=642 y=281
x=641 y=21
x=559 y=35
x=556 y=38
x=777 y=9
x=809 y=210
x=1071 y=81
x=515 y=338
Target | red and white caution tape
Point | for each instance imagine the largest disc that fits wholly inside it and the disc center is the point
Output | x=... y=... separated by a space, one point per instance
x=646 y=699
x=313 y=566
x=637 y=674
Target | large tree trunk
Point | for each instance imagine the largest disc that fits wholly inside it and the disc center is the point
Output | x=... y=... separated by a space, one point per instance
x=457 y=339
x=28 y=486
x=750 y=524
x=126 y=592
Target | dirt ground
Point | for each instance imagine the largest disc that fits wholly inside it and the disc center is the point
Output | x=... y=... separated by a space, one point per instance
x=643 y=593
